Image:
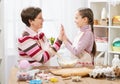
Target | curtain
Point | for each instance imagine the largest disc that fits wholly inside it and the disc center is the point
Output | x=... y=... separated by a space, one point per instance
x=13 y=28
x=12 y=20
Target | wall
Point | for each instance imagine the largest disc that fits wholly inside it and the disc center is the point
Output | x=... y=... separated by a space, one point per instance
x=1 y=41
x=56 y=12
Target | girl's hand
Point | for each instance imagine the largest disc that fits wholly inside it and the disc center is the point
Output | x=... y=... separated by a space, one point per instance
x=60 y=37
x=64 y=35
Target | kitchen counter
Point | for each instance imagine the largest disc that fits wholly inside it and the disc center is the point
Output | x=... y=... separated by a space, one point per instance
x=85 y=80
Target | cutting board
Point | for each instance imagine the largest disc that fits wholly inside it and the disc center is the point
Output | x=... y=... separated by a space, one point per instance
x=66 y=72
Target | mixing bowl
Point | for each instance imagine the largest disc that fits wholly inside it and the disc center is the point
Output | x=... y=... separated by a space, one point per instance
x=66 y=63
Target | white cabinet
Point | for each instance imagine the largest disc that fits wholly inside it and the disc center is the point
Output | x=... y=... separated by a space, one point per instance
x=105 y=31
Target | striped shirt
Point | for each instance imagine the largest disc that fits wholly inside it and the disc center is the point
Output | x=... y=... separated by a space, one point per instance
x=34 y=46
x=85 y=42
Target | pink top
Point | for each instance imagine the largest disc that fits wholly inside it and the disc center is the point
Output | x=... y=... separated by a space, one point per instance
x=85 y=43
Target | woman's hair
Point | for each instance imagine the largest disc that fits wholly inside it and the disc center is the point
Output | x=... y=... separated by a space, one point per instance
x=87 y=12
x=29 y=13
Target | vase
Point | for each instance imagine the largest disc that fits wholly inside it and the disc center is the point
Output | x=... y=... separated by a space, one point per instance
x=103 y=13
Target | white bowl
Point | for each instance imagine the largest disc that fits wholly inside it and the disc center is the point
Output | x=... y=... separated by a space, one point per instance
x=66 y=63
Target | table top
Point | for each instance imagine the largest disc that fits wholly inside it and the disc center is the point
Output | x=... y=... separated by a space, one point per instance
x=84 y=80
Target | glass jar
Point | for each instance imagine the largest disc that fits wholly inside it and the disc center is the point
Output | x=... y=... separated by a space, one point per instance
x=116 y=61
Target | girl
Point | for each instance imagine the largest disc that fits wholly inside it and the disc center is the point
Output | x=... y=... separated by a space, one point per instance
x=33 y=45
x=84 y=46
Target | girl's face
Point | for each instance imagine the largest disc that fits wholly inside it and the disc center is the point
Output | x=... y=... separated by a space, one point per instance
x=79 y=20
x=37 y=23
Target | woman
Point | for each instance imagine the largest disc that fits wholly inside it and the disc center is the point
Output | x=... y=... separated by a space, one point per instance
x=84 y=46
x=33 y=45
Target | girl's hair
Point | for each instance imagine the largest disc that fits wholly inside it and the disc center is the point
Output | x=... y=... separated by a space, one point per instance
x=87 y=12
x=29 y=13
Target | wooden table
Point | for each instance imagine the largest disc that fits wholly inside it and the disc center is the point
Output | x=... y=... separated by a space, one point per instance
x=85 y=80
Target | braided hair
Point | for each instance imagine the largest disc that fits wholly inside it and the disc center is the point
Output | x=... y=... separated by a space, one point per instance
x=87 y=12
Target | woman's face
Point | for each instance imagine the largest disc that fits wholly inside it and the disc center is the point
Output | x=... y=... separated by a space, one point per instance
x=79 y=20
x=37 y=23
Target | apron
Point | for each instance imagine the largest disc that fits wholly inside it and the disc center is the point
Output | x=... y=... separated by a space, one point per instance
x=84 y=59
